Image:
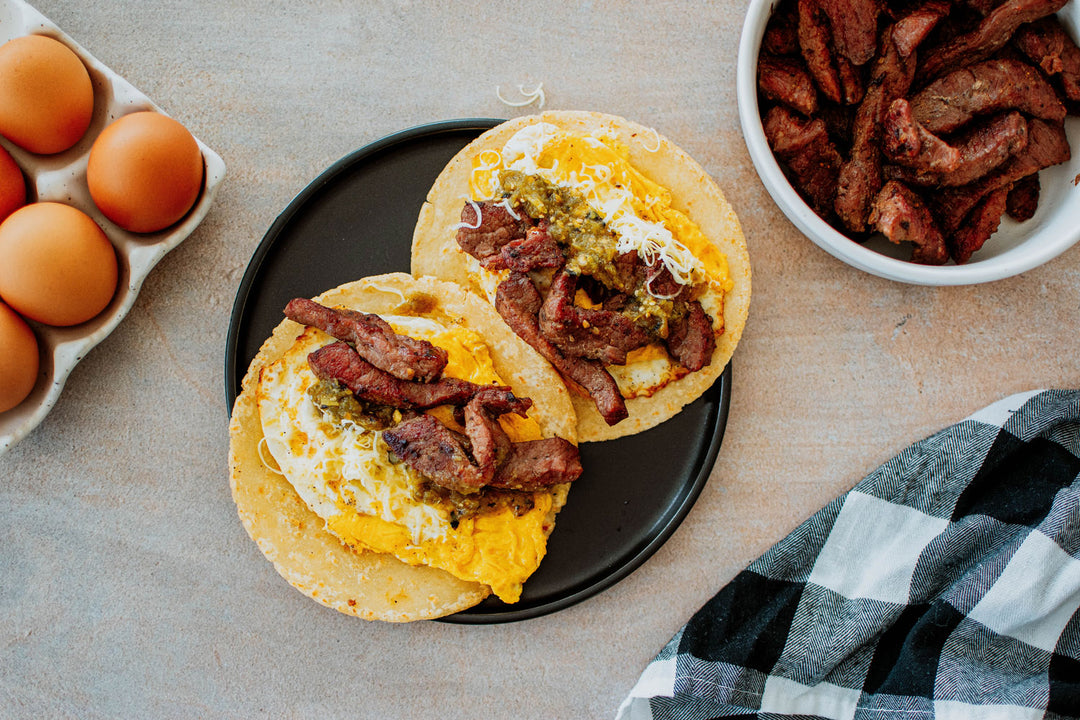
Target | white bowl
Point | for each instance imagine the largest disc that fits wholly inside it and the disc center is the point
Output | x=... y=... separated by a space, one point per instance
x=1014 y=248
x=62 y=178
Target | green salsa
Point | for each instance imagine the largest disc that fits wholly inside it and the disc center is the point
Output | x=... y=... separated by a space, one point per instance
x=339 y=403
x=591 y=248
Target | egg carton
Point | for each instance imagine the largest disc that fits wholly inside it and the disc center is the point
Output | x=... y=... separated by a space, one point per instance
x=62 y=178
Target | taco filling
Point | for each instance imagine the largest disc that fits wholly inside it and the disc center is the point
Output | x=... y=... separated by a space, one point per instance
x=589 y=263
x=398 y=433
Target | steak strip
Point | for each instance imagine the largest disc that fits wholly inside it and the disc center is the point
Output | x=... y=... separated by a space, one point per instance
x=990 y=36
x=340 y=361
x=536 y=464
x=518 y=302
x=436 y=452
x=987 y=87
x=602 y=335
x=400 y=355
x=901 y=215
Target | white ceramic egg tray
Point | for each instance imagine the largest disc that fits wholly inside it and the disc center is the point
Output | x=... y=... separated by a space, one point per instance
x=62 y=178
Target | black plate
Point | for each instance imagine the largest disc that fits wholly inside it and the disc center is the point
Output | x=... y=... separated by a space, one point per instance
x=356 y=219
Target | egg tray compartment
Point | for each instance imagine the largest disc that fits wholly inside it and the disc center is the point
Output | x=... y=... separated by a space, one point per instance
x=62 y=178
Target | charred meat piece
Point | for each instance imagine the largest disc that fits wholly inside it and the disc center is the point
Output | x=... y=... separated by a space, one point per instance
x=975 y=153
x=1047 y=145
x=483 y=236
x=814 y=35
x=518 y=302
x=536 y=464
x=1023 y=198
x=991 y=35
x=860 y=177
x=589 y=333
x=901 y=215
x=908 y=143
x=786 y=81
x=979 y=226
x=340 y=361
x=854 y=27
x=691 y=340
x=536 y=250
x=400 y=355
x=987 y=87
x=807 y=154
x=436 y=452
x=1047 y=44
x=781 y=32
x=490 y=445
x=910 y=30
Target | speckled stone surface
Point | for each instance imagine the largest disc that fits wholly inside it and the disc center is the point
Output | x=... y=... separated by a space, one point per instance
x=128 y=587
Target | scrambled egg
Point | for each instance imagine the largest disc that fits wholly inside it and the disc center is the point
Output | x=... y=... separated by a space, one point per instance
x=634 y=207
x=343 y=473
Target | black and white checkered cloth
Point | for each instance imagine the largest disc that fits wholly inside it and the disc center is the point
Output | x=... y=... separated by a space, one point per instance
x=946 y=584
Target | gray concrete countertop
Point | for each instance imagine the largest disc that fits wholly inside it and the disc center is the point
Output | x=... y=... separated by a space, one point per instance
x=128 y=587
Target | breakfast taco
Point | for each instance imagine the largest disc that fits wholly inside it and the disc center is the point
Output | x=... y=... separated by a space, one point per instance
x=398 y=453
x=605 y=247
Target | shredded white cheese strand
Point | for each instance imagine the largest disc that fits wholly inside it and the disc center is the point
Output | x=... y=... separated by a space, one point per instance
x=536 y=95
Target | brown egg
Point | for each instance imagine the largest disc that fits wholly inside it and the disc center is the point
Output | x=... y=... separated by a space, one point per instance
x=56 y=264
x=12 y=185
x=19 y=361
x=145 y=171
x=46 y=97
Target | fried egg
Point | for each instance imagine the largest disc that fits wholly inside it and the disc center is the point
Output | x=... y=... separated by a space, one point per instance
x=344 y=473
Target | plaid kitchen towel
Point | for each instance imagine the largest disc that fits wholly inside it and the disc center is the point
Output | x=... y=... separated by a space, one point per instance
x=946 y=584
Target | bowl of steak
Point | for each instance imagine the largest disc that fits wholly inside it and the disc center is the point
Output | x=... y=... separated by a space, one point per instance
x=926 y=142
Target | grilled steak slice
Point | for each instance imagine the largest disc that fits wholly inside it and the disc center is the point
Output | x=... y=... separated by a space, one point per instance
x=691 y=340
x=536 y=250
x=975 y=153
x=1047 y=44
x=808 y=156
x=340 y=361
x=519 y=303
x=490 y=444
x=436 y=452
x=483 y=236
x=536 y=464
x=602 y=335
x=908 y=143
x=910 y=30
x=1023 y=199
x=854 y=27
x=986 y=87
x=1047 y=146
x=814 y=36
x=785 y=80
x=900 y=214
x=979 y=226
x=860 y=177
x=990 y=36
x=400 y=355
x=781 y=32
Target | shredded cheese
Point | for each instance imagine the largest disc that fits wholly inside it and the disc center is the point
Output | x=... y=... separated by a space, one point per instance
x=536 y=95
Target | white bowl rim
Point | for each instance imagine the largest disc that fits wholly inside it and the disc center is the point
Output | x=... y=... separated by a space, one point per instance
x=1007 y=264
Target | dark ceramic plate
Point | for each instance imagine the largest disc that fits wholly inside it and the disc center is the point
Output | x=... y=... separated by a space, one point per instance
x=356 y=219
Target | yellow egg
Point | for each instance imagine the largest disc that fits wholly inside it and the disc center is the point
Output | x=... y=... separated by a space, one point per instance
x=56 y=265
x=145 y=171
x=18 y=361
x=12 y=185
x=46 y=96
